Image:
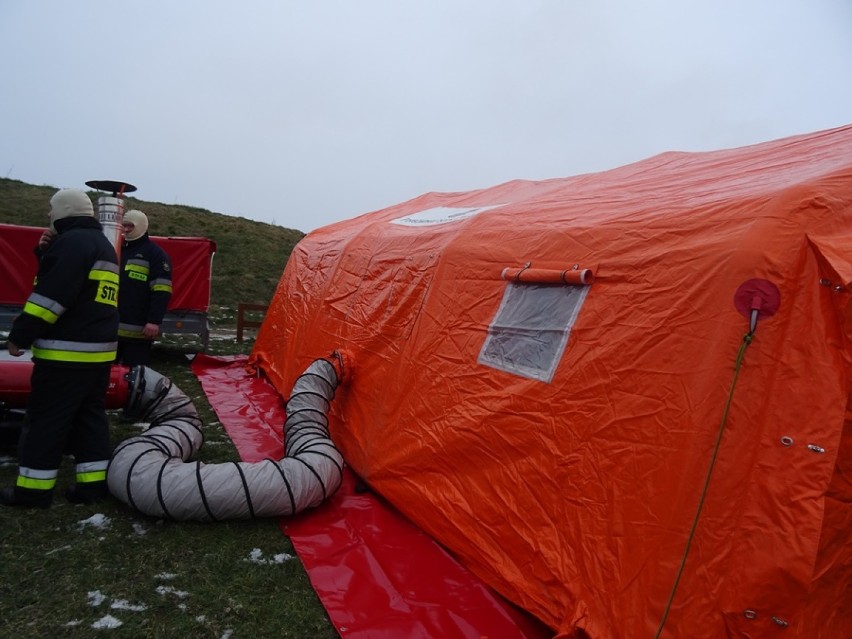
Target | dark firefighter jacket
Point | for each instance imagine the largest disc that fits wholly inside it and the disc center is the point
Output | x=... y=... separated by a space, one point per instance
x=145 y=287
x=71 y=317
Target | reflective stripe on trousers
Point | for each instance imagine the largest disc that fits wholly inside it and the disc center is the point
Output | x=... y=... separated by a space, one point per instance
x=36 y=479
x=92 y=471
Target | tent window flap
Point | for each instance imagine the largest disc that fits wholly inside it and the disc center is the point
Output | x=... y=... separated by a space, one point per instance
x=530 y=330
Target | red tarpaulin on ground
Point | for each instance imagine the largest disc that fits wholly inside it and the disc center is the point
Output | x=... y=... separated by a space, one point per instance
x=191 y=266
x=377 y=575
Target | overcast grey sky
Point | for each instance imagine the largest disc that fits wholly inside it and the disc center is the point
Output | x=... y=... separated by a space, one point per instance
x=305 y=113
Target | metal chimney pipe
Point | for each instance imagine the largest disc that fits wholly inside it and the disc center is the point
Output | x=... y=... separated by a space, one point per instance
x=111 y=209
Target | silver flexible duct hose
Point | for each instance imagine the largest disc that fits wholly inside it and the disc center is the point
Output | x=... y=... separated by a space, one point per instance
x=152 y=472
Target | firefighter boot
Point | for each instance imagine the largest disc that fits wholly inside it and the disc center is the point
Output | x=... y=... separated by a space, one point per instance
x=26 y=497
x=88 y=493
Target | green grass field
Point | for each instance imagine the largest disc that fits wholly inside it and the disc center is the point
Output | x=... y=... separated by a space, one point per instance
x=95 y=570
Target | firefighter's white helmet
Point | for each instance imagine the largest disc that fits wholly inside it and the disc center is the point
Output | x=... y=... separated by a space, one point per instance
x=140 y=224
x=70 y=203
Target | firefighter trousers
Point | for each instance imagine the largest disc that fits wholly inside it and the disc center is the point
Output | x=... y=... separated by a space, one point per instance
x=66 y=411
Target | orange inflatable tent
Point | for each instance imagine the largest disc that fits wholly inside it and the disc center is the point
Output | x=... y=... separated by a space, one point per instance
x=621 y=399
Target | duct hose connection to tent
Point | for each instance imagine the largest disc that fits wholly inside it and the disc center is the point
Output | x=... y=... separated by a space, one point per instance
x=152 y=472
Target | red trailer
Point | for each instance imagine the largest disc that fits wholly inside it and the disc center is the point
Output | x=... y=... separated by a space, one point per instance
x=192 y=261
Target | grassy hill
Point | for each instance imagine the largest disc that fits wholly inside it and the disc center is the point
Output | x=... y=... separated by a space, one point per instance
x=250 y=256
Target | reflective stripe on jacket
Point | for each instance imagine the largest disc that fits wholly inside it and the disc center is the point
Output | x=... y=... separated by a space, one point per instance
x=57 y=350
x=72 y=314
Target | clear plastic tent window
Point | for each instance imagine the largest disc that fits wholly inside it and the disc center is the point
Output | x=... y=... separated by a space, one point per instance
x=531 y=328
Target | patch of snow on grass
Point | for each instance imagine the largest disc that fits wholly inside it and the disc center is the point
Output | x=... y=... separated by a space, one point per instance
x=96 y=597
x=107 y=621
x=97 y=520
x=123 y=604
x=168 y=590
x=256 y=557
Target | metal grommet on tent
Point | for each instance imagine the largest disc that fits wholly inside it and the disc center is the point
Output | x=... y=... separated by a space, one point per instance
x=786 y=440
x=780 y=622
x=816 y=449
x=749 y=614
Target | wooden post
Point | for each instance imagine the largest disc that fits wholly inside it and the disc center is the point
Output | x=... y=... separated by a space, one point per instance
x=242 y=322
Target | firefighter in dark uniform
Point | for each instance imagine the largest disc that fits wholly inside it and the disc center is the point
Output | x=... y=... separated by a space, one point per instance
x=144 y=290
x=70 y=321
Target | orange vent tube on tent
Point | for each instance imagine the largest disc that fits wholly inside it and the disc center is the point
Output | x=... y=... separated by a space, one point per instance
x=575 y=277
